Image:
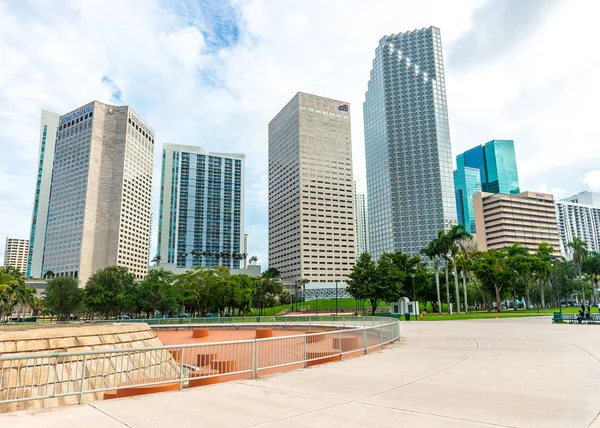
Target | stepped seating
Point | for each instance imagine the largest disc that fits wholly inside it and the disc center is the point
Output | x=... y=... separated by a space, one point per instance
x=200 y=377
x=205 y=359
x=140 y=389
x=223 y=366
x=346 y=344
x=316 y=338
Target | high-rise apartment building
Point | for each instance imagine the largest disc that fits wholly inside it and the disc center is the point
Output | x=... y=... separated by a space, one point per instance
x=579 y=220
x=16 y=252
x=496 y=167
x=37 y=237
x=586 y=197
x=201 y=208
x=467 y=182
x=361 y=222
x=311 y=207
x=245 y=251
x=410 y=187
x=528 y=218
x=100 y=179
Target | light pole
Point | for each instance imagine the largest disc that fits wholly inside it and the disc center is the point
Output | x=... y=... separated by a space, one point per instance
x=412 y=274
x=336 y=299
x=556 y=286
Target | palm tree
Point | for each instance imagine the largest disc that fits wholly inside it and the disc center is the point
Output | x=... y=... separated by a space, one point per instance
x=444 y=249
x=157 y=260
x=580 y=253
x=454 y=236
x=466 y=248
x=303 y=283
x=36 y=305
x=432 y=251
x=544 y=254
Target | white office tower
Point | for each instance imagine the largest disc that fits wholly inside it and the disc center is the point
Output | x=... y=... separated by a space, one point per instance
x=99 y=180
x=311 y=206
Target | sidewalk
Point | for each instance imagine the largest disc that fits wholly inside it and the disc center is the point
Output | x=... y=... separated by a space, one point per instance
x=486 y=373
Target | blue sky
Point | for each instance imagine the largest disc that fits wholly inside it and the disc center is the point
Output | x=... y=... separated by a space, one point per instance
x=213 y=73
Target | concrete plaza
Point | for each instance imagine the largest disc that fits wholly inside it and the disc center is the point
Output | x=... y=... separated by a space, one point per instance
x=487 y=373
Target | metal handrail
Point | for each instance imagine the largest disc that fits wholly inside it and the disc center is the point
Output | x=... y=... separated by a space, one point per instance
x=251 y=355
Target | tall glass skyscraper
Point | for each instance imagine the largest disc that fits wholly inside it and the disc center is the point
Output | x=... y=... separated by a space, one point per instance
x=407 y=143
x=496 y=164
x=201 y=208
x=37 y=236
x=467 y=182
x=93 y=193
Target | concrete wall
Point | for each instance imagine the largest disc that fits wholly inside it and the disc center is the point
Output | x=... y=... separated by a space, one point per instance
x=23 y=378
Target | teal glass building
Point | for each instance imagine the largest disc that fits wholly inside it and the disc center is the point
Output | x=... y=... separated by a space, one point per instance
x=467 y=182
x=410 y=187
x=496 y=164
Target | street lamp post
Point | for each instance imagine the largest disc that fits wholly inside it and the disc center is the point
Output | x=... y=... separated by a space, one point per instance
x=412 y=274
x=556 y=286
x=336 y=299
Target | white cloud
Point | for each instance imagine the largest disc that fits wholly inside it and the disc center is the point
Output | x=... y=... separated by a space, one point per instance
x=592 y=179
x=539 y=91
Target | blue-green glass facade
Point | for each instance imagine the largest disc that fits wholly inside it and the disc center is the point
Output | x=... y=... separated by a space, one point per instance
x=36 y=200
x=501 y=166
x=467 y=182
x=496 y=164
x=407 y=144
x=203 y=223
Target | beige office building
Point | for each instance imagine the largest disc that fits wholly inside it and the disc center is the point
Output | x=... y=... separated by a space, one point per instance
x=311 y=201
x=16 y=252
x=99 y=207
x=528 y=218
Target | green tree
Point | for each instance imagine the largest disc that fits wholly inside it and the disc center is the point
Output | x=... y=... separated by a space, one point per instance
x=269 y=290
x=12 y=290
x=580 y=252
x=63 y=297
x=493 y=270
x=23 y=298
x=157 y=292
x=377 y=282
x=110 y=290
x=591 y=266
x=244 y=288
x=36 y=305
x=433 y=251
x=271 y=273
x=453 y=237
x=544 y=253
x=194 y=286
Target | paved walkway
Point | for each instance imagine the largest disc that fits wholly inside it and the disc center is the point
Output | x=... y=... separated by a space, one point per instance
x=488 y=373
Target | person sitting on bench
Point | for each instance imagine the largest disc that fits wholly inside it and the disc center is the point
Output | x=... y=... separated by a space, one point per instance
x=580 y=316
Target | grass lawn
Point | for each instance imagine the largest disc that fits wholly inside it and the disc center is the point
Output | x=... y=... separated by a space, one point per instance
x=348 y=305
x=504 y=314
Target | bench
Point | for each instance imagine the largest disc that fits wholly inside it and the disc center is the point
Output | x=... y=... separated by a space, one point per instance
x=594 y=319
x=559 y=317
